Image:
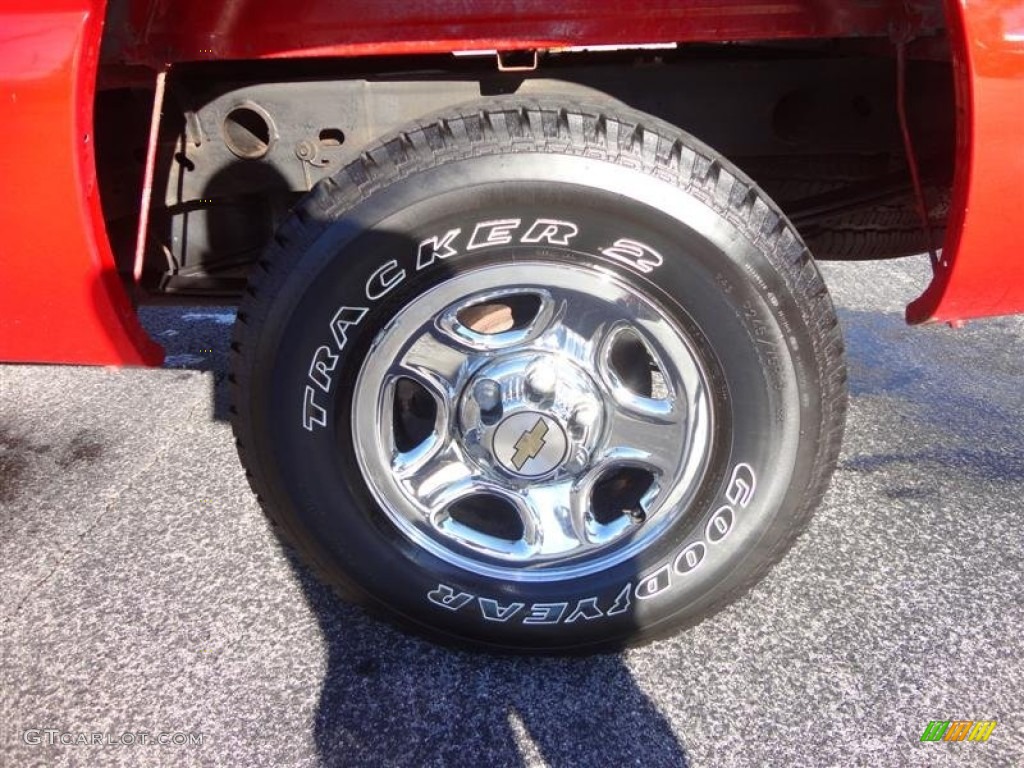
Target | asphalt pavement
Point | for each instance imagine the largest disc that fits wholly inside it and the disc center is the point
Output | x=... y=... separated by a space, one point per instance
x=144 y=598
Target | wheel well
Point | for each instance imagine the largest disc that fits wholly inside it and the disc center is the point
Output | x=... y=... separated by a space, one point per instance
x=815 y=123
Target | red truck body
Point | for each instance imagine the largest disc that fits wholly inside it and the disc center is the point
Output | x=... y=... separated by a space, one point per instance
x=63 y=300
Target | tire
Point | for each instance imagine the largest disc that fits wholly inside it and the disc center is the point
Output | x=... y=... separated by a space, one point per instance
x=538 y=377
x=884 y=230
x=879 y=232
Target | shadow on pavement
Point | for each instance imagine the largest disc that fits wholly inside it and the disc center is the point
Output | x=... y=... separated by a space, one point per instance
x=390 y=699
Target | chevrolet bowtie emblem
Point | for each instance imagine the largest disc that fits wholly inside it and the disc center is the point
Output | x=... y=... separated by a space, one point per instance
x=529 y=443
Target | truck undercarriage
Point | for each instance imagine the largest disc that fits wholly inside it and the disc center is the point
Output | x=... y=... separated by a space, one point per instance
x=816 y=124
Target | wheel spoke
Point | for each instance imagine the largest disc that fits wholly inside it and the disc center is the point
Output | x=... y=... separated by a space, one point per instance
x=439 y=478
x=580 y=323
x=435 y=362
x=437 y=366
x=553 y=519
x=647 y=434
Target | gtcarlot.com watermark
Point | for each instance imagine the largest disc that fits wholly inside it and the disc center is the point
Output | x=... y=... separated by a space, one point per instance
x=55 y=737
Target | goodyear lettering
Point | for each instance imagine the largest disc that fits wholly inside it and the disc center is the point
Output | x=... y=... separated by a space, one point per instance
x=741 y=486
x=689 y=558
x=739 y=493
x=492 y=610
x=446 y=597
x=586 y=609
x=622 y=601
x=545 y=613
x=719 y=525
x=654 y=584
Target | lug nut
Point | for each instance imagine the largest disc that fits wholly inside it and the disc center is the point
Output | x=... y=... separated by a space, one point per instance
x=487 y=393
x=541 y=379
x=578 y=461
x=584 y=416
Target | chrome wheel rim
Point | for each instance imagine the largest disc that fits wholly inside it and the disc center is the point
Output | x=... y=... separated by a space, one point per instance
x=501 y=417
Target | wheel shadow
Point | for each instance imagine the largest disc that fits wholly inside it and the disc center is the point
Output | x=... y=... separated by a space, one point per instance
x=391 y=699
x=196 y=339
x=928 y=371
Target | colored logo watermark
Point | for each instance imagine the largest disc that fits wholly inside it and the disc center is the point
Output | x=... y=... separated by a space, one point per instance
x=958 y=730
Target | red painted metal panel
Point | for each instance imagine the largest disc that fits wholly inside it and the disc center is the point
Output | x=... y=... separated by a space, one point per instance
x=61 y=299
x=167 y=31
x=982 y=271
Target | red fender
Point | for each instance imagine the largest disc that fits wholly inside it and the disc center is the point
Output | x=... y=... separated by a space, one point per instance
x=61 y=299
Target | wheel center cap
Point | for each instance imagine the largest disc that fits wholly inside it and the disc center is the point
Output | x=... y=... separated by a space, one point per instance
x=529 y=444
